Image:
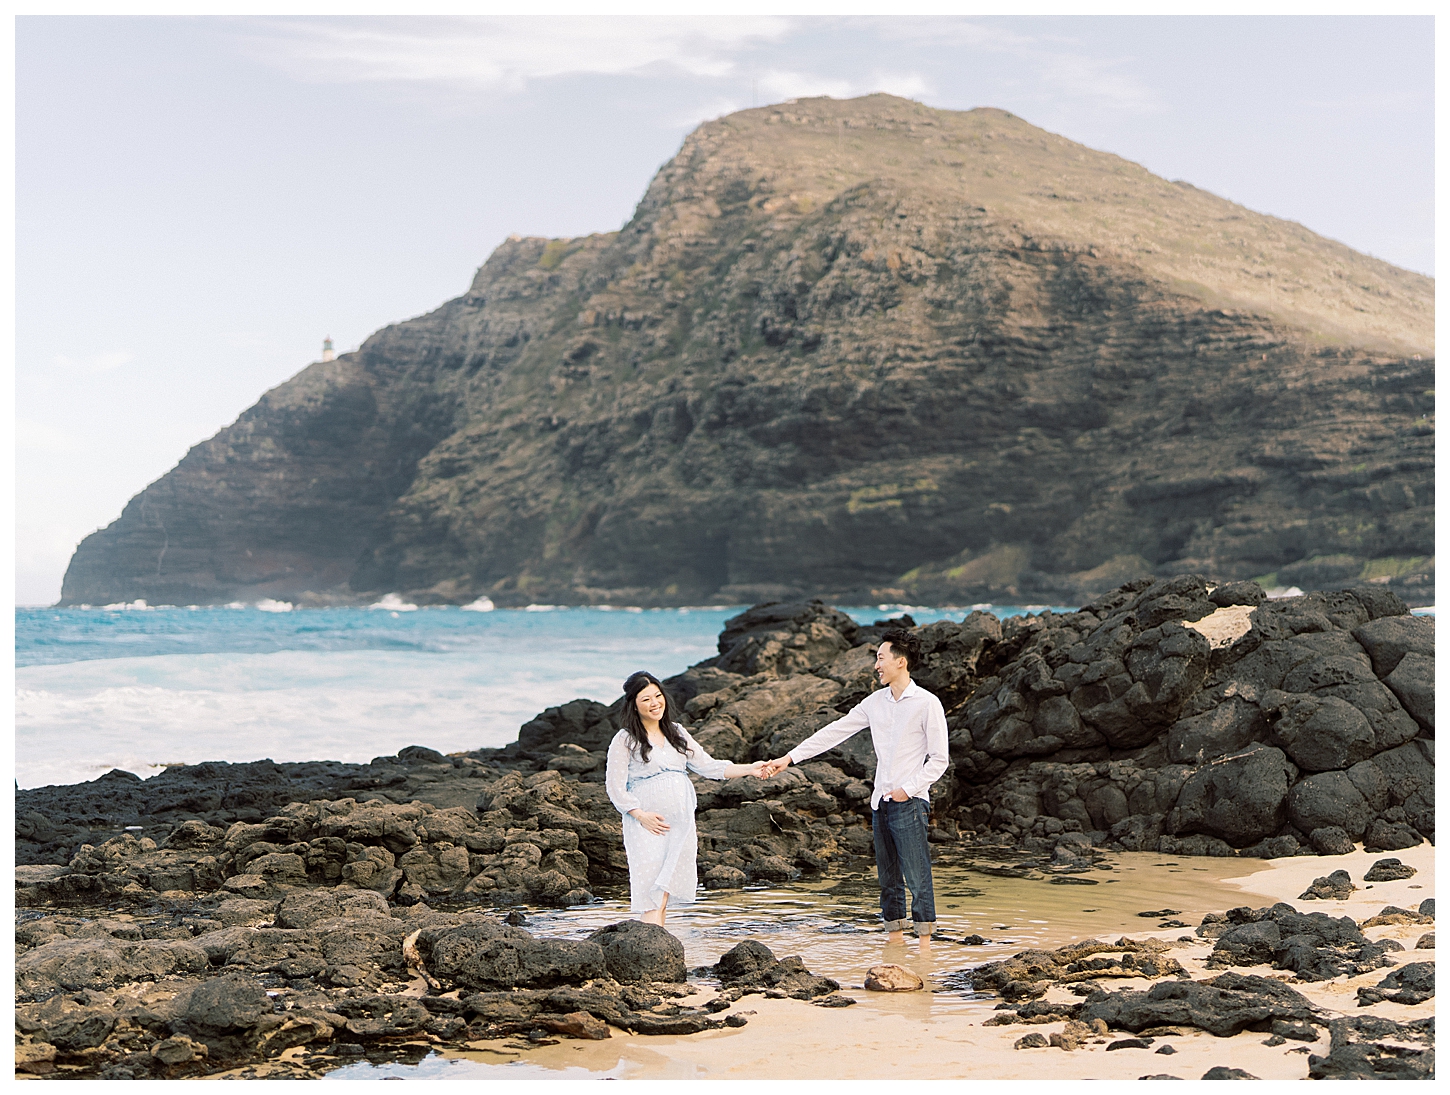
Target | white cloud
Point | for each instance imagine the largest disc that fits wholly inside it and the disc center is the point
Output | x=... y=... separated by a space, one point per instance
x=776 y=85
x=1054 y=61
x=906 y=84
x=507 y=51
x=95 y=363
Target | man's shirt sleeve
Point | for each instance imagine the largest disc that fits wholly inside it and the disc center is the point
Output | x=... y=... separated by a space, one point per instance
x=833 y=733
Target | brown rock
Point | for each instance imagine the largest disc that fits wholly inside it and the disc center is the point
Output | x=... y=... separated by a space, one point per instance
x=889 y=977
x=1075 y=1033
x=578 y=1024
x=177 y=1050
x=35 y=1058
x=294 y=1030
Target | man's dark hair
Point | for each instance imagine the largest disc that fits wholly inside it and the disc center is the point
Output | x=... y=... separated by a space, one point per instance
x=904 y=644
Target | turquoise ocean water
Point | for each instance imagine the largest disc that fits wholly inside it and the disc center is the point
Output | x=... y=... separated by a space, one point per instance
x=140 y=688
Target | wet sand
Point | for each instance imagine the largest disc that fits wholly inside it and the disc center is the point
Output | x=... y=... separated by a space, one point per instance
x=938 y=1034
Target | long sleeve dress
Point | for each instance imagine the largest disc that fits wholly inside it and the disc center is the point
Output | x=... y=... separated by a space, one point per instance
x=663 y=864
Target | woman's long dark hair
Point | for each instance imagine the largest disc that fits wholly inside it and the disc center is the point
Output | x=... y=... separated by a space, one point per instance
x=636 y=684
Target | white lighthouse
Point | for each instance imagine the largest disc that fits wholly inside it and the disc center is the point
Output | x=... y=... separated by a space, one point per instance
x=327 y=354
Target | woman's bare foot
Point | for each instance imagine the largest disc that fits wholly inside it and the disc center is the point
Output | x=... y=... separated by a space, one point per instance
x=895 y=937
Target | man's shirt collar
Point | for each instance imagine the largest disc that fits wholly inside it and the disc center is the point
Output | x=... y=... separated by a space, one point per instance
x=911 y=689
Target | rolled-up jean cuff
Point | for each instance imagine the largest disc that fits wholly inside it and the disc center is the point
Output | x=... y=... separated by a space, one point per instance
x=898 y=925
x=925 y=929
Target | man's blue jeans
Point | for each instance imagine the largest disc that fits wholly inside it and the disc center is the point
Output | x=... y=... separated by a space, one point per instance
x=904 y=860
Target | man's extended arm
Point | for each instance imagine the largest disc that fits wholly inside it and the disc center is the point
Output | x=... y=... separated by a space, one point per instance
x=827 y=737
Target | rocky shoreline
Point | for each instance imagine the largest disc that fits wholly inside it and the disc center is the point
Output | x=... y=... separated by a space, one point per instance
x=188 y=988
x=219 y=916
x=308 y=980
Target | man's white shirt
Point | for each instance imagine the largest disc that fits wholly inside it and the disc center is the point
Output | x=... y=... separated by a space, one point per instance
x=909 y=735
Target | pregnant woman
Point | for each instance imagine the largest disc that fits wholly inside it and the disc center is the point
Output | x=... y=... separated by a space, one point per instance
x=646 y=780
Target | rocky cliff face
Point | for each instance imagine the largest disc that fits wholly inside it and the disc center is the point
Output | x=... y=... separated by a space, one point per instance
x=860 y=349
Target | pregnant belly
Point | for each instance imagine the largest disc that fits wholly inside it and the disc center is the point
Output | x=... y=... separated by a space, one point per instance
x=671 y=795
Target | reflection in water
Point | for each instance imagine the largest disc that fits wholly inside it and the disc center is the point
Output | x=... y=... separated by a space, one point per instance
x=437 y=1067
x=834 y=925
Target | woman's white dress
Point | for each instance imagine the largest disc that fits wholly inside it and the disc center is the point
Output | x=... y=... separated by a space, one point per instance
x=663 y=864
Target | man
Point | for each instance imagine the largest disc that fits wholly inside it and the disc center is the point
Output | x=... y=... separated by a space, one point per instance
x=909 y=733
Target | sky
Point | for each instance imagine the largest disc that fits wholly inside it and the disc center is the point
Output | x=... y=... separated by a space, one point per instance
x=201 y=200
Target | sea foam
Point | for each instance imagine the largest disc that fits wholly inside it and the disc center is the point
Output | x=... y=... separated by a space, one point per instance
x=394 y=603
x=79 y=720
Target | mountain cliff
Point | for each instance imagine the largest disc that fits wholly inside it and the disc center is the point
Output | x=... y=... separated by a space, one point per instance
x=863 y=349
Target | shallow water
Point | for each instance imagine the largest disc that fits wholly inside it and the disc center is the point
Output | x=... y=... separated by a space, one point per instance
x=834 y=926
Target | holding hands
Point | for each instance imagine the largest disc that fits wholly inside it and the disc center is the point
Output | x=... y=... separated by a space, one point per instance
x=756 y=769
x=760 y=769
x=773 y=767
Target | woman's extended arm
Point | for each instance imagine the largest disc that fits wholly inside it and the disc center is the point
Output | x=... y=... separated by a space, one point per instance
x=702 y=763
x=751 y=769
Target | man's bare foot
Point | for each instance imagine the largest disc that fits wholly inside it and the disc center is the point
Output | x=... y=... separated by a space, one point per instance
x=895 y=937
x=923 y=944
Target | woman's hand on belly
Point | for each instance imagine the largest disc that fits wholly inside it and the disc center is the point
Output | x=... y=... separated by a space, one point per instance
x=653 y=823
